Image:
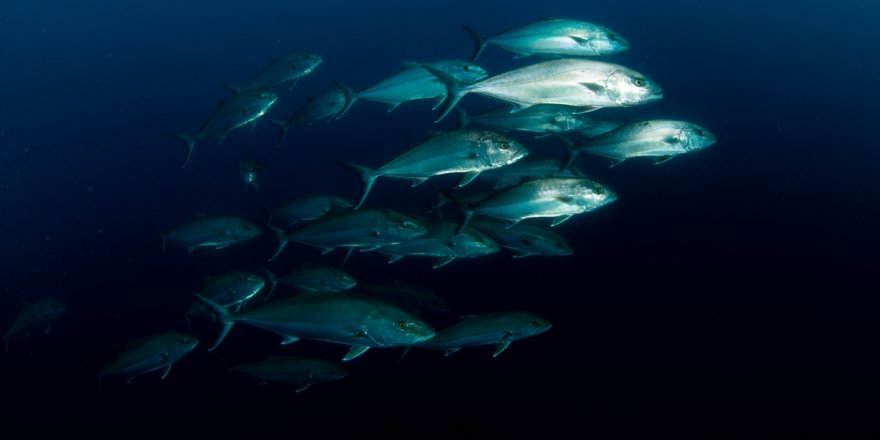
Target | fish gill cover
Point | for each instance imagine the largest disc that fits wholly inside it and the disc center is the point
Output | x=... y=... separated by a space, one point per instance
x=579 y=202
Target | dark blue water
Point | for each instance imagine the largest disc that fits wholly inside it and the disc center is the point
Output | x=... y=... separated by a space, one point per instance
x=745 y=272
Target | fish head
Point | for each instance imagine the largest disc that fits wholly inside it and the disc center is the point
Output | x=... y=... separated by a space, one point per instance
x=627 y=87
x=530 y=324
x=51 y=308
x=497 y=150
x=263 y=99
x=465 y=72
x=328 y=371
x=403 y=226
x=694 y=137
x=344 y=279
x=397 y=327
x=589 y=195
x=603 y=41
x=307 y=62
x=245 y=230
x=475 y=242
x=181 y=343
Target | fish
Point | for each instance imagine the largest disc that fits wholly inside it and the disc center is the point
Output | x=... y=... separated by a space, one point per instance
x=155 y=352
x=532 y=167
x=309 y=207
x=585 y=84
x=463 y=151
x=367 y=229
x=250 y=170
x=39 y=314
x=407 y=295
x=231 y=290
x=283 y=70
x=499 y=329
x=442 y=242
x=556 y=197
x=215 y=232
x=552 y=36
x=524 y=239
x=316 y=278
x=659 y=139
x=359 y=321
x=324 y=106
x=536 y=119
x=414 y=83
x=242 y=109
x=297 y=371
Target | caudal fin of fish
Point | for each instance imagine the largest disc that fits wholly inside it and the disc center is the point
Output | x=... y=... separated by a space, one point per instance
x=190 y=143
x=368 y=178
x=284 y=126
x=463 y=118
x=479 y=42
x=273 y=282
x=455 y=90
x=282 y=242
x=570 y=150
x=350 y=98
x=226 y=318
x=466 y=210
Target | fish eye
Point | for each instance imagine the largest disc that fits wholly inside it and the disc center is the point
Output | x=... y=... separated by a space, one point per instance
x=401 y=325
x=504 y=146
x=639 y=82
x=467 y=68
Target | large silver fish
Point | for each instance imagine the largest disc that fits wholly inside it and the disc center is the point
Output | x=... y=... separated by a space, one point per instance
x=660 y=139
x=155 y=352
x=442 y=242
x=212 y=232
x=464 y=151
x=407 y=295
x=499 y=329
x=356 y=320
x=297 y=371
x=283 y=70
x=309 y=207
x=39 y=314
x=554 y=37
x=582 y=83
x=231 y=290
x=368 y=229
x=242 y=109
x=536 y=119
x=524 y=239
x=414 y=83
x=556 y=197
x=324 y=106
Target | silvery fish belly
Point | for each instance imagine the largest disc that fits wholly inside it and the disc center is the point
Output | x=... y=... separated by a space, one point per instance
x=524 y=239
x=286 y=69
x=155 y=352
x=549 y=197
x=237 y=111
x=441 y=241
x=655 y=138
x=556 y=37
x=341 y=318
x=362 y=228
x=492 y=328
x=213 y=232
x=536 y=119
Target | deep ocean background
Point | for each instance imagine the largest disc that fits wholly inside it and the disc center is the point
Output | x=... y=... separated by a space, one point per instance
x=742 y=273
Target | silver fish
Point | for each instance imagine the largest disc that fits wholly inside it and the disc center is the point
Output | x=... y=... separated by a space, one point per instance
x=39 y=314
x=660 y=139
x=463 y=151
x=524 y=239
x=155 y=352
x=582 y=83
x=300 y=372
x=231 y=290
x=368 y=229
x=414 y=83
x=499 y=329
x=554 y=37
x=283 y=70
x=356 y=320
x=557 y=197
x=309 y=207
x=242 y=109
x=324 y=106
x=212 y=232
x=443 y=242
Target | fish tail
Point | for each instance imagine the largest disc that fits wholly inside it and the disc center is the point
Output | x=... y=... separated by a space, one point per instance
x=479 y=42
x=466 y=210
x=570 y=150
x=455 y=90
x=284 y=126
x=368 y=178
x=273 y=282
x=190 y=143
x=282 y=242
x=226 y=318
x=463 y=118
x=350 y=98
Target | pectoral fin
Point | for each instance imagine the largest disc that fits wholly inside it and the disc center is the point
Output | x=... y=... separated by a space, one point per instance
x=419 y=181
x=595 y=88
x=166 y=370
x=289 y=340
x=559 y=220
x=664 y=159
x=303 y=386
x=355 y=351
x=523 y=254
x=468 y=178
x=443 y=262
x=451 y=351
x=502 y=345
